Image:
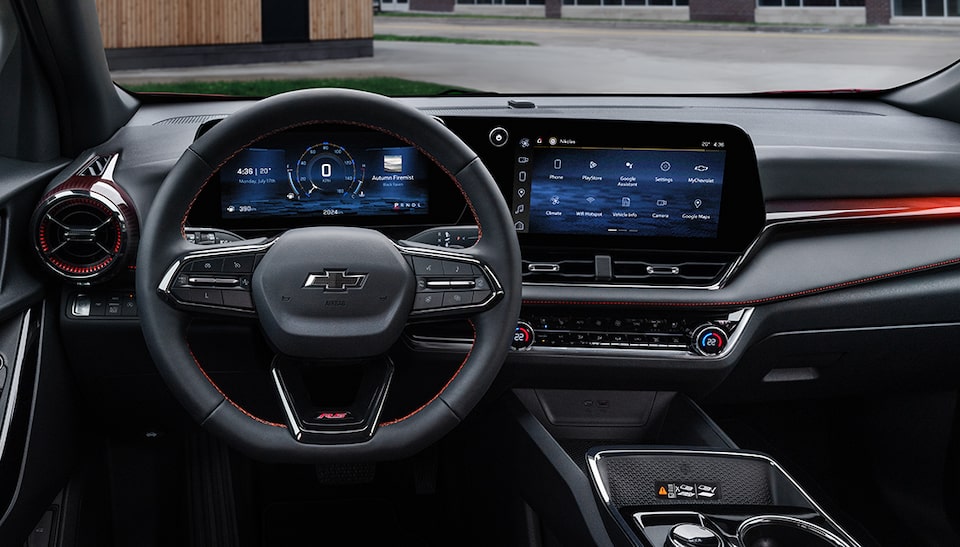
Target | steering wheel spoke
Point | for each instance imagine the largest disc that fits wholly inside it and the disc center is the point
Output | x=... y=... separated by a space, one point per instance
x=451 y=283
x=316 y=417
x=214 y=280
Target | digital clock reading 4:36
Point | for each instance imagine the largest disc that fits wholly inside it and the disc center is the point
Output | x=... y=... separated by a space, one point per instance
x=248 y=171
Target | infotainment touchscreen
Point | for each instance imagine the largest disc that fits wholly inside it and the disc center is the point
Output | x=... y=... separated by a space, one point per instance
x=565 y=188
x=311 y=174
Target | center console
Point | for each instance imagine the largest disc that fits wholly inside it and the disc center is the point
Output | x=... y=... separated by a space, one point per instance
x=651 y=469
x=700 y=498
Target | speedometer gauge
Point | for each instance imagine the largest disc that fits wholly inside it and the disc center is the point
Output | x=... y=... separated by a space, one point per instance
x=327 y=168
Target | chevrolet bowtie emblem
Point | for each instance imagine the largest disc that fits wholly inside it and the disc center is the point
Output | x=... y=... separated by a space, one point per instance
x=335 y=280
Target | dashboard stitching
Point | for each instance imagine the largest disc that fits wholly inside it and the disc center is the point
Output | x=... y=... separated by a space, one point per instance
x=755 y=301
x=443 y=168
x=228 y=399
x=445 y=386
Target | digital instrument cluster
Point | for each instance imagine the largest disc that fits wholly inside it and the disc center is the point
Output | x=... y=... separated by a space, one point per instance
x=312 y=174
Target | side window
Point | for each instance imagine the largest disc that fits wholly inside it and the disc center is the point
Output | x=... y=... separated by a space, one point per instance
x=27 y=110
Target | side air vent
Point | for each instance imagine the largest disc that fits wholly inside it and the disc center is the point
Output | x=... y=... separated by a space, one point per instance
x=95 y=167
x=190 y=120
x=647 y=268
x=86 y=227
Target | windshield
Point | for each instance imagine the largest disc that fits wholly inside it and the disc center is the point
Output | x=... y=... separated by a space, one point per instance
x=428 y=47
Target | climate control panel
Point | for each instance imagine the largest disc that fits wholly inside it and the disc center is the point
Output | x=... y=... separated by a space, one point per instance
x=702 y=334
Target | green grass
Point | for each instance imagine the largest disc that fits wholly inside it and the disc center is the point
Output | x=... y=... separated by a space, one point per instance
x=445 y=40
x=395 y=87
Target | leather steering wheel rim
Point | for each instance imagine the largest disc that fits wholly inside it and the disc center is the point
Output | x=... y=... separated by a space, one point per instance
x=163 y=242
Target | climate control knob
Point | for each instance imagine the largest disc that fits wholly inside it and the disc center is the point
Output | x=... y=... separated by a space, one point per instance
x=709 y=340
x=522 y=336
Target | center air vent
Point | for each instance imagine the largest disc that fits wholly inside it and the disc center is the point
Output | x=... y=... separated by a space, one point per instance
x=85 y=228
x=642 y=268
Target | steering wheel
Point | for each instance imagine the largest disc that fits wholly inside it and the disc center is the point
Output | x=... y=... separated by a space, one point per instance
x=328 y=294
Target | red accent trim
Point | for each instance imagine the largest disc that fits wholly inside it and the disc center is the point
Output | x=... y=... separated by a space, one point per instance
x=755 y=301
x=857 y=208
x=445 y=386
x=228 y=399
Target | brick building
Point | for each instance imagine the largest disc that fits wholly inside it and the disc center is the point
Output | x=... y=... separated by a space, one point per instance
x=836 y=12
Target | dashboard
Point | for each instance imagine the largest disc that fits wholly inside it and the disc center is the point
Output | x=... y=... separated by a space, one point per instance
x=684 y=243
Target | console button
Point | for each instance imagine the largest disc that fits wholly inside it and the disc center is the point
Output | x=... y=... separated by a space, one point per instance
x=709 y=340
x=81 y=306
x=98 y=305
x=617 y=339
x=129 y=306
x=499 y=136
x=523 y=336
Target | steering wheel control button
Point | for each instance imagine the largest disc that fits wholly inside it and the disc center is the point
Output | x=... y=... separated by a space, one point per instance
x=209 y=265
x=210 y=297
x=238 y=299
x=455 y=299
x=427 y=266
x=428 y=300
x=456 y=268
x=238 y=264
x=694 y=535
x=499 y=137
x=523 y=336
x=710 y=340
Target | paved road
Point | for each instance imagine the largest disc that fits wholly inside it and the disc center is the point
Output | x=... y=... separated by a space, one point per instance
x=600 y=57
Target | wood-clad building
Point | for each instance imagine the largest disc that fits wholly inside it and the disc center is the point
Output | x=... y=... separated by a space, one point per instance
x=167 y=33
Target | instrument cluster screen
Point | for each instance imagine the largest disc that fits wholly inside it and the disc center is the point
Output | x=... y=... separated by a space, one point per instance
x=310 y=175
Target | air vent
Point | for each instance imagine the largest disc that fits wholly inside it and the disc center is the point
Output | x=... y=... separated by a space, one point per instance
x=95 y=167
x=684 y=272
x=190 y=120
x=650 y=268
x=85 y=228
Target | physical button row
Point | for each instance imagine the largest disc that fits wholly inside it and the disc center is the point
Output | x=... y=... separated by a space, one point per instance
x=603 y=339
x=448 y=299
x=434 y=267
x=666 y=326
x=231 y=264
x=104 y=305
